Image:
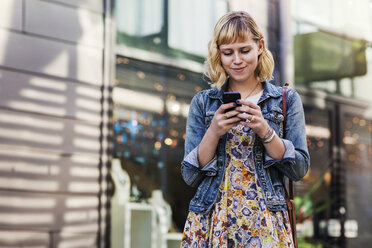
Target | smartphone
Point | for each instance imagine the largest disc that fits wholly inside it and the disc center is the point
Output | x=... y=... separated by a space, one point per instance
x=228 y=97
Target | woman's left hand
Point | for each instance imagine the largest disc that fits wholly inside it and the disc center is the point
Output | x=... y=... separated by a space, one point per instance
x=251 y=116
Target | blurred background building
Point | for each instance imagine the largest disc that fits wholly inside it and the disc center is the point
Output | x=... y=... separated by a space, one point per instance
x=94 y=96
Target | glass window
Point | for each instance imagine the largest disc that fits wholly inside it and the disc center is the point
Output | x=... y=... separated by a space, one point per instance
x=333 y=46
x=141 y=18
x=167 y=26
x=358 y=156
x=354 y=17
x=151 y=103
x=332 y=63
x=316 y=11
x=191 y=33
x=313 y=192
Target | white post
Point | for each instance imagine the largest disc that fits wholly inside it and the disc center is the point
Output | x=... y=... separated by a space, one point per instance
x=286 y=43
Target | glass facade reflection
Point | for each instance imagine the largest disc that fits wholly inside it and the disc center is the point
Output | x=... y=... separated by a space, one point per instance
x=318 y=130
x=166 y=26
x=151 y=104
x=313 y=192
x=357 y=141
x=332 y=63
x=353 y=17
x=152 y=99
x=333 y=46
x=333 y=54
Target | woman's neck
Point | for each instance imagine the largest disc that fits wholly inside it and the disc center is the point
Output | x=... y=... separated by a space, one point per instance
x=245 y=89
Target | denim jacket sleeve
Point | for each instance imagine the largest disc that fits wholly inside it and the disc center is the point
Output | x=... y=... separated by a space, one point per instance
x=289 y=154
x=195 y=130
x=296 y=161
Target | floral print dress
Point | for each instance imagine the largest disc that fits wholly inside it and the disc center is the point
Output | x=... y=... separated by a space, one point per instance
x=239 y=218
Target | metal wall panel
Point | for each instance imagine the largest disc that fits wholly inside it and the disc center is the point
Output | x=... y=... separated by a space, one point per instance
x=67 y=136
x=30 y=169
x=44 y=56
x=49 y=96
x=47 y=219
x=93 y=5
x=11 y=14
x=55 y=212
x=19 y=238
x=64 y=22
x=51 y=73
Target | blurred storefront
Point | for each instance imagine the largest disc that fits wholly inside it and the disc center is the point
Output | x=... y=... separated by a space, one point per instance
x=160 y=48
x=94 y=101
x=333 y=71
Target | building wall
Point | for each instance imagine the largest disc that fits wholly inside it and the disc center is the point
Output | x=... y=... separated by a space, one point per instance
x=51 y=73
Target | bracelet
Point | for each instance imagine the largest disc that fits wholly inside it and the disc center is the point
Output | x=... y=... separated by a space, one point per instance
x=270 y=138
x=268 y=133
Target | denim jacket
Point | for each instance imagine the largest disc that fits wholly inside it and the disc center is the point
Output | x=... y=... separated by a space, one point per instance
x=294 y=164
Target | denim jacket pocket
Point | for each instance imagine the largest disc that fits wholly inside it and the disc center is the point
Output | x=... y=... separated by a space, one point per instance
x=275 y=118
x=274 y=114
x=208 y=118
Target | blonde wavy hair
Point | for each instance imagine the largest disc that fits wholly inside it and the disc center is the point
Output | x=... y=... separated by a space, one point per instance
x=235 y=27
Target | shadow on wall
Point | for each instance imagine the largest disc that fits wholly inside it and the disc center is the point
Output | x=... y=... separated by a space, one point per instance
x=50 y=116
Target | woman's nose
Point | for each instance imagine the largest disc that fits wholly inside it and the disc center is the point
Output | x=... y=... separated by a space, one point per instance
x=237 y=59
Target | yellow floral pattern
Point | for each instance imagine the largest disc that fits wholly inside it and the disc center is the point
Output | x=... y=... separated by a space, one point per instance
x=239 y=217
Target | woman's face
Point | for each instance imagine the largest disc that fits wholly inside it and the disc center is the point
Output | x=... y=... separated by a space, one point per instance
x=239 y=60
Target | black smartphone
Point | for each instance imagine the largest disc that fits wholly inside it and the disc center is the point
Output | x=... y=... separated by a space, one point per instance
x=228 y=97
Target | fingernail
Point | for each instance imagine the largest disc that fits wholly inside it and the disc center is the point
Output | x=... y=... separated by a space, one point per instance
x=234 y=104
x=238 y=101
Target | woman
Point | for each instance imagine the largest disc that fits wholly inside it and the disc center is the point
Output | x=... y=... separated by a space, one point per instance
x=237 y=159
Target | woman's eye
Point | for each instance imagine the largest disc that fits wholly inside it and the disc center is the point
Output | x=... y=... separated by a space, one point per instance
x=227 y=54
x=246 y=51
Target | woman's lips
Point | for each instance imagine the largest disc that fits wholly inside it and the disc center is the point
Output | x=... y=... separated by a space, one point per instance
x=240 y=69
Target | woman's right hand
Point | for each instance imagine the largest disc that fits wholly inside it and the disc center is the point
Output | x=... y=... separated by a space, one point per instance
x=223 y=121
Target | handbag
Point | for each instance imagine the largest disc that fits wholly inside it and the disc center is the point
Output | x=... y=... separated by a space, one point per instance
x=289 y=197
